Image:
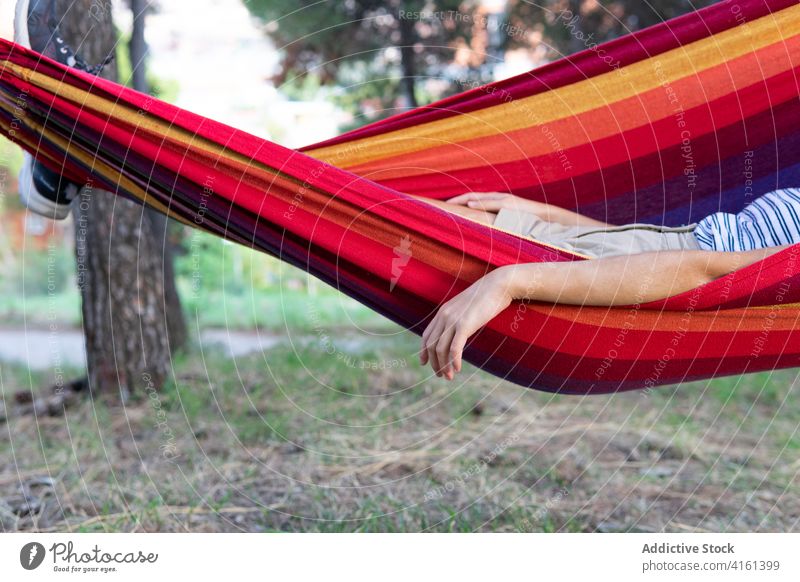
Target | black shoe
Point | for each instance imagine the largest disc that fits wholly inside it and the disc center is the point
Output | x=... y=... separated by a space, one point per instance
x=36 y=27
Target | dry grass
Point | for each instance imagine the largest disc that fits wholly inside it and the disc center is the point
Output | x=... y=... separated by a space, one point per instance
x=263 y=446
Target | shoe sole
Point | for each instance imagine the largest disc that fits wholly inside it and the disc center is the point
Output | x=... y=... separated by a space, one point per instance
x=21 y=35
x=31 y=198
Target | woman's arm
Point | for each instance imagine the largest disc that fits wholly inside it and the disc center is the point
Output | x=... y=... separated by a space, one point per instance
x=622 y=280
x=495 y=201
x=625 y=279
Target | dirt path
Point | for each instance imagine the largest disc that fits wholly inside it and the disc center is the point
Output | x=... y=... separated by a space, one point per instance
x=43 y=349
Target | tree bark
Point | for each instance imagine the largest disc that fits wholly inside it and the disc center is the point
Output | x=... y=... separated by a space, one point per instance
x=408 y=65
x=120 y=263
x=138 y=46
x=176 y=322
x=576 y=43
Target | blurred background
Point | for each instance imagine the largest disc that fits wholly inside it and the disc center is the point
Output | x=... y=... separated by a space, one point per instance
x=292 y=407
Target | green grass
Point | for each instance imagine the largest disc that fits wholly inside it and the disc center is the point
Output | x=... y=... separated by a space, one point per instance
x=274 y=310
x=265 y=446
x=16 y=309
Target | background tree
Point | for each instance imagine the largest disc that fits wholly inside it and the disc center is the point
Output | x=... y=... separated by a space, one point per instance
x=119 y=252
x=569 y=26
x=164 y=228
x=376 y=49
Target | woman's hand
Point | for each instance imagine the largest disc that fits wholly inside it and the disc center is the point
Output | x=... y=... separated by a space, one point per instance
x=462 y=210
x=445 y=337
x=495 y=201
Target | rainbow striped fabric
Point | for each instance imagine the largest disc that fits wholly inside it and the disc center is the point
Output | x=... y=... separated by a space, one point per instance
x=694 y=116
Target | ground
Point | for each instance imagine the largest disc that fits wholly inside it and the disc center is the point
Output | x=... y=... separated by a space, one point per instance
x=328 y=434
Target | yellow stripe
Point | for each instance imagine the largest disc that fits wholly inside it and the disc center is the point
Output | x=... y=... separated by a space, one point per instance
x=573 y=99
x=158 y=127
x=129 y=115
x=151 y=124
x=98 y=166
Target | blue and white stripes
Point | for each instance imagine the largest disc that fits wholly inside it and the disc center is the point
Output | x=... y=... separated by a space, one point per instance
x=769 y=221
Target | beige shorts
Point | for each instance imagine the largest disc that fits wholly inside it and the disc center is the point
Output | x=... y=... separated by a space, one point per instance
x=597 y=241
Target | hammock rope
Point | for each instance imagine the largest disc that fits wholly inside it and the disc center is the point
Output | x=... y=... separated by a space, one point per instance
x=667 y=125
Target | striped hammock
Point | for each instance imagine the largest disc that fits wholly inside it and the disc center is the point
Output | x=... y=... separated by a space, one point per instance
x=667 y=125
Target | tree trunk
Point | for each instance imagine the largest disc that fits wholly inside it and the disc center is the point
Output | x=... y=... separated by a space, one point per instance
x=577 y=39
x=120 y=265
x=408 y=82
x=138 y=47
x=176 y=323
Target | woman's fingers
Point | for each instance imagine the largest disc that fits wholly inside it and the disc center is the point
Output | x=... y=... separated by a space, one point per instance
x=430 y=341
x=488 y=205
x=423 y=352
x=432 y=357
x=460 y=199
x=457 y=349
x=443 y=351
x=427 y=337
x=438 y=346
x=463 y=199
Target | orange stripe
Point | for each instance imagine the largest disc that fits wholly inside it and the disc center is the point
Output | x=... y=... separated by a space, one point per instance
x=616 y=118
x=750 y=319
x=574 y=99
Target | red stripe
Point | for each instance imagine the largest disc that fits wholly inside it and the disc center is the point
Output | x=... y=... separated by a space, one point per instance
x=625 y=50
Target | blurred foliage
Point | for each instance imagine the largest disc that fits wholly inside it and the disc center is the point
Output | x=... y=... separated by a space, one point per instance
x=354 y=46
x=164 y=89
x=568 y=26
x=42 y=272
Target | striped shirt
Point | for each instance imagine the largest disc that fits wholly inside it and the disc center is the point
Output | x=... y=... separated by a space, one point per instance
x=769 y=221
